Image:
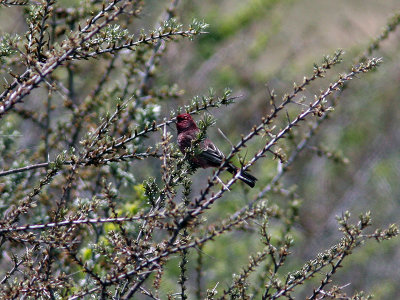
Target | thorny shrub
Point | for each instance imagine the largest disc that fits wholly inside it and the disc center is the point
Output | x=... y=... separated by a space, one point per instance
x=76 y=222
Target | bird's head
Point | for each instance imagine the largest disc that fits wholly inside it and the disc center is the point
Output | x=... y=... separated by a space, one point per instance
x=185 y=122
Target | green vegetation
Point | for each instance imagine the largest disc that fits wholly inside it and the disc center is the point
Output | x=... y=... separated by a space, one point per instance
x=98 y=202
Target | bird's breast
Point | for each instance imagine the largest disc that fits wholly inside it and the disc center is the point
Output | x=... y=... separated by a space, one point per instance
x=184 y=141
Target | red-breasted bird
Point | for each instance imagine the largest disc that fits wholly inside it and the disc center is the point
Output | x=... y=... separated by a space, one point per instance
x=210 y=156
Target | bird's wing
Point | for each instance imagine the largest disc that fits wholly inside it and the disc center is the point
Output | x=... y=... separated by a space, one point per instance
x=212 y=153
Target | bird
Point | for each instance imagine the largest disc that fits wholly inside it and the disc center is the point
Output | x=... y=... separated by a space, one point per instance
x=210 y=155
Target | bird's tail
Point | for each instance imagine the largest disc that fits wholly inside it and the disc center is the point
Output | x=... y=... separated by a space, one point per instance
x=244 y=176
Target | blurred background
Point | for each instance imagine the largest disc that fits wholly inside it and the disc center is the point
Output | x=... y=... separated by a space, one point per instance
x=252 y=44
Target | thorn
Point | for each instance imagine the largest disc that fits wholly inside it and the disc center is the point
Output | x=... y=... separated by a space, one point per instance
x=223 y=184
